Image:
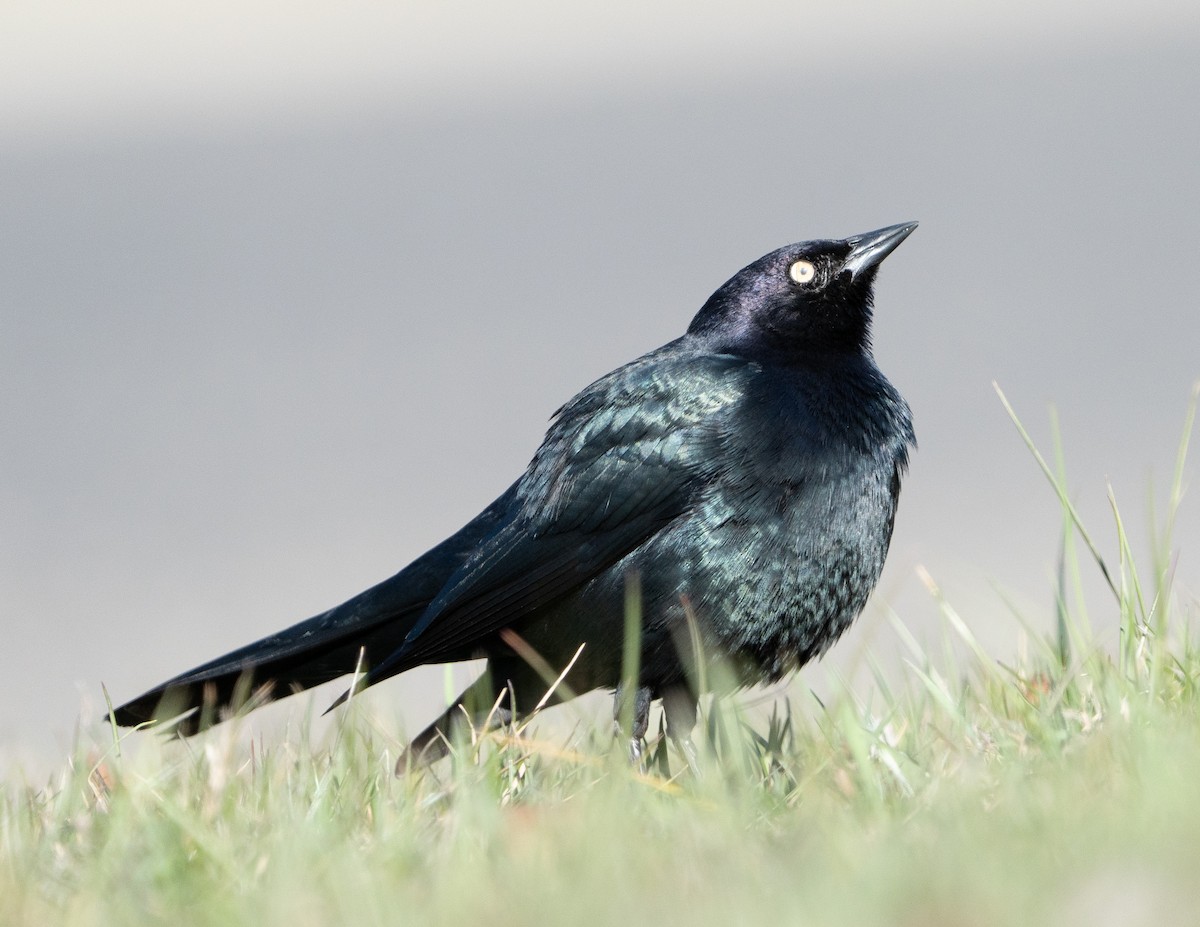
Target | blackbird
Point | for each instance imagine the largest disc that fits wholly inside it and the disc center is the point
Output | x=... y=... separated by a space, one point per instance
x=741 y=479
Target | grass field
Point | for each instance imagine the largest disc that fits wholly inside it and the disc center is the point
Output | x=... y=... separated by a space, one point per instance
x=1064 y=790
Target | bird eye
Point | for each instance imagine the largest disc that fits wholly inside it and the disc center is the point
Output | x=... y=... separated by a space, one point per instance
x=802 y=272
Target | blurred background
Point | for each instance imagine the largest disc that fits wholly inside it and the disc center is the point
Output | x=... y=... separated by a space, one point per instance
x=290 y=291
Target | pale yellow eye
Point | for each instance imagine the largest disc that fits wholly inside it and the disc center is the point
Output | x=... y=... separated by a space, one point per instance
x=802 y=272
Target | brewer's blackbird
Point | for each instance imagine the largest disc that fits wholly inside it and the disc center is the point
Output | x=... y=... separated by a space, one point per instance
x=746 y=474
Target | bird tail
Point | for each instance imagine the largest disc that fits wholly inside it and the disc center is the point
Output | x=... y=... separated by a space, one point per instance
x=370 y=627
x=332 y=644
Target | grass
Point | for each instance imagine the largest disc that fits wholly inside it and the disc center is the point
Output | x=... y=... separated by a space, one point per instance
x=1064 y=789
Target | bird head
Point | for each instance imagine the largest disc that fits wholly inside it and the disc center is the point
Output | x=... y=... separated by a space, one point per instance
x=813 y=296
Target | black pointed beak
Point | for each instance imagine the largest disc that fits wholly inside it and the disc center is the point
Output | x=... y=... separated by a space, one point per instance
x=869 y=249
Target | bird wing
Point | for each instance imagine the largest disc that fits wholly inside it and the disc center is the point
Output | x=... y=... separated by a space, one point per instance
x=620 y=461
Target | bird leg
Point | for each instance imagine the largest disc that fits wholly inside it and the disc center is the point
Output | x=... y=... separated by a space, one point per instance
x=640 y=718
x=679 y=707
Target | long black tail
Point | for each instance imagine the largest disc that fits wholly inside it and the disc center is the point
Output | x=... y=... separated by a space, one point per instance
x=367 y=628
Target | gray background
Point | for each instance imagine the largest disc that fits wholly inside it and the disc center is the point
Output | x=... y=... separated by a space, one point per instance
x=289 y=295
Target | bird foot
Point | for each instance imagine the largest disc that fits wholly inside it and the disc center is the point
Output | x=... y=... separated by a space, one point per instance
x=637 y=753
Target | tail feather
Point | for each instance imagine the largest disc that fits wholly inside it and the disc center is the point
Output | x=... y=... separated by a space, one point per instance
x=373 y=623
x=306 y=655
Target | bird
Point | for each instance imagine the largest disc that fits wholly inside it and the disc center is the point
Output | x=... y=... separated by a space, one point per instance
x=742 y=480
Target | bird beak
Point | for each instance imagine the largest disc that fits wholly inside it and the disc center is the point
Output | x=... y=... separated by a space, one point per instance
x=869 y=249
